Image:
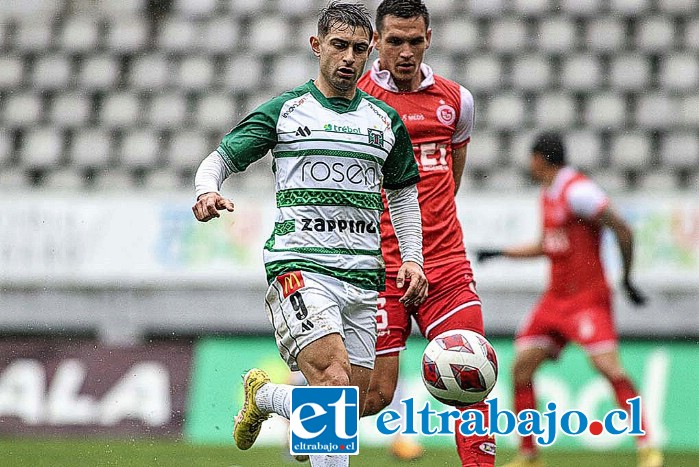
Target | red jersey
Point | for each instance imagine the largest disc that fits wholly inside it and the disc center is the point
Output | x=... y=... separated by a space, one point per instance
x=571 y=235
x=439 y=118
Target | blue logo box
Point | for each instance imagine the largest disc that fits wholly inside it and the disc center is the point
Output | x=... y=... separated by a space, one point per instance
x=324 y=420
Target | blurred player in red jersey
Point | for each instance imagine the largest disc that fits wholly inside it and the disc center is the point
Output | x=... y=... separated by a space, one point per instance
x=577 y=305
x=439 y=116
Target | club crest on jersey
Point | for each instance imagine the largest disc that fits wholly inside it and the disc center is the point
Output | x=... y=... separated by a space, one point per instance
x=375 y=137
x=446 y=114
x=290 y=282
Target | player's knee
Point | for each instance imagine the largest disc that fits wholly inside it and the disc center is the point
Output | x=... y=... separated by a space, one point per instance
x=334 y=374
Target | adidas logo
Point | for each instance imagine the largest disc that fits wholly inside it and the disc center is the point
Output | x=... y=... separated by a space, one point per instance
x=303 y=131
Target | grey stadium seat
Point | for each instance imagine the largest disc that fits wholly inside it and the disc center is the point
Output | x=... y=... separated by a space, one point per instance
x=584 y=149
x=531 y=7
x=216 y=112
x=195 y=9
x=127 y=34
x=98 y=72
x=11 y=71
x=631 y=151
x=220 y=35
x=168 y=110
x=91 y=148
x=555 y=110
x=679 y=71
x=140 y=149
x=680 y=150
x=457 y=34
x=41 y=148
x=71 y=109
x=188 y=149
x=152 y=71
x=606 y=34
x=121 y=110
x=195 y=73
x=486 y=8
x=52 y=72
x=689 y=110
x=556 y=34
x=531 y=72
x=629 y=7
x=506 y=111
x=484 y=151
x=507 y=35
x=243 y=72
x=483 y=73
x=582 y=8
x=22 y=109
x=265 y=33
x=630 y=72
x=605 y=110
x=655 y=34
x=656 y=111
x=80 y=33
x=581 y=73
x=178 y=35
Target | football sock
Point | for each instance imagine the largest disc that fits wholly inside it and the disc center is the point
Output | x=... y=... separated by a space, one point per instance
x=475 y=450
x=525 y=399
x=274 y=398
x=320 y=460
x=624 y=390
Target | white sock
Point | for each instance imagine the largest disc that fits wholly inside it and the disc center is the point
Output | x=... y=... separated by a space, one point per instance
x=319 y=460
x=274 y=398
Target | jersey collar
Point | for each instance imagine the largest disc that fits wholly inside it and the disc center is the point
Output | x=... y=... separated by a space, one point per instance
x=337 y=104
x=561 y=179
x=384 y=79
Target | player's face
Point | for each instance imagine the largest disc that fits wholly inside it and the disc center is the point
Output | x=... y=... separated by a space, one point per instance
x=401 y=44
x=537 y=166
x=343 y=53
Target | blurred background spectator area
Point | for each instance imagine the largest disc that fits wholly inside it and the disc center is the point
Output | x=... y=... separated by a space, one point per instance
x=107 y=94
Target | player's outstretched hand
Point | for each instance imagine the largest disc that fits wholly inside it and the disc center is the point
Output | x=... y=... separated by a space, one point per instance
x=208 y=206
x=412 y=273
x=484 y=255
x=635 y=295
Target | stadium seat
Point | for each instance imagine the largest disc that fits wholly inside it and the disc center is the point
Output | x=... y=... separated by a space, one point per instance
x=22 y=109
x=98 y=72
x=535 y=8
x=195 y=73
x=11 y=71
x=91 y=148
x=629 y=7
x=605 y=34
x=678 y=6
x=127 y=34
x=140 y=149
x=80 y=34
x=71 y=109
x=581 y=73
x=116 y=179
x=41 y=148
x=655 y=34
x=14 y=179
x=178 y=35
x=63 y=179
x=507 y=35
x=657 y=181
x=442 y=64
x=153 y=71
x=506 y=112
x=691 y=35
x=520 y=149
x=220 y=35
x=187 y=149
x=689 y=111
x=630 y=72
x=33 y=34
x=121 y=110
x=555 y=110
x=168 y=110
x=584 y=150
x=656 y=111
x=246 y=7
x=457 y=35
x=679 y=72
x=605 y=110
x=52 y=72
x=299 y=8
x=119 y=8
x=611 y=181
x=288 y=71
x=265 y=33
x=216 y=112
x=5 y=148
x=486 y=8
x=680 y=150
x=190 y=10
x=631 y=151
x=167 y=179
x=243 y=73
x=531 y=72
x=556 y=35
x=484 y=151
x=583 y=8
x=483 y=72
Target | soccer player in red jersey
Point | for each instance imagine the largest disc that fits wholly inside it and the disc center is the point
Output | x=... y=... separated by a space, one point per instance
x=439 y=116
x=577 y=305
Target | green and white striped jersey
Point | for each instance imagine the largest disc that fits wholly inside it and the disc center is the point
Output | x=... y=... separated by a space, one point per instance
x=331 y=158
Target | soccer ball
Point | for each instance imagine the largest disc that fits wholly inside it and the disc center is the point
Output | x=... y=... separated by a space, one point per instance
x=459 y=367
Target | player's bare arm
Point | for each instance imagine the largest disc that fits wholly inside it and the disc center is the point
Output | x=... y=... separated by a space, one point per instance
x=412 y=273
x=624 y=237
x=208 y=206
x=532 y=250
x=458 y=157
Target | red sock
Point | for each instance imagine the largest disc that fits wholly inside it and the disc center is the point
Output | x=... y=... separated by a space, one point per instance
x=525 y=399
x=624 y=390
x=475 y=450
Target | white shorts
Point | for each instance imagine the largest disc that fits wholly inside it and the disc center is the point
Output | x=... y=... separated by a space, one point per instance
x=305 y=306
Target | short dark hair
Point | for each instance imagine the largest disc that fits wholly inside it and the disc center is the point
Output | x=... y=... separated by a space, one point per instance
x=401 y=9
x=353 y=15
x=550 y=145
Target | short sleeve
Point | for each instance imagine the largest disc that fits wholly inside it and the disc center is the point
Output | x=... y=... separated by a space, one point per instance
x=400 y=169
x=250 y=140
x=586 y=199
x=464 y=126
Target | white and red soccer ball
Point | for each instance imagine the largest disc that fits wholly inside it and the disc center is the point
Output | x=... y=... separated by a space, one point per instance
x=459 y=367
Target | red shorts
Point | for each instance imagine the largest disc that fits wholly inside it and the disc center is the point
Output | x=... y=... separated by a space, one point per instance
x=452 y=303
x=555 y=321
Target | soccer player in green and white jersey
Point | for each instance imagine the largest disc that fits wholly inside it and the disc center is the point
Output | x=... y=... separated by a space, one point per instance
x=334 y=148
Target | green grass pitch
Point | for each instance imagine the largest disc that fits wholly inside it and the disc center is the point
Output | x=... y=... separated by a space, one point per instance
x=143 y=453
